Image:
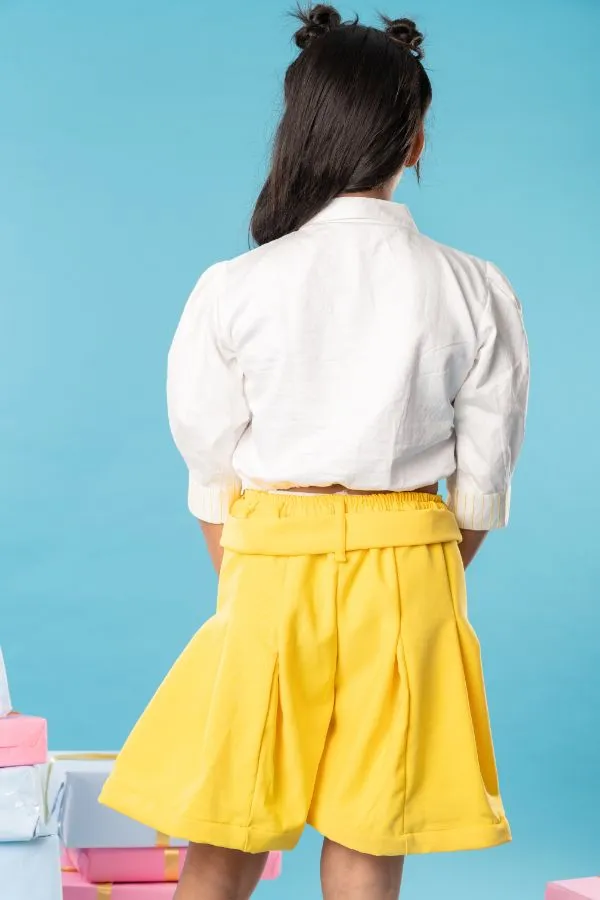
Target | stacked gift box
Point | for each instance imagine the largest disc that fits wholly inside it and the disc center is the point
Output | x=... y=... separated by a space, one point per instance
x=29 y=847
x=106 y=854
x=576 y=889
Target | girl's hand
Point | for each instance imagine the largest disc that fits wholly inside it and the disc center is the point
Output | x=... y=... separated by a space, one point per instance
x=471 y=542
x=212 y=536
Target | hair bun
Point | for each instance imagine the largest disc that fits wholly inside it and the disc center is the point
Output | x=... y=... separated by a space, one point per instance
x=405 y=32
x=316 y=21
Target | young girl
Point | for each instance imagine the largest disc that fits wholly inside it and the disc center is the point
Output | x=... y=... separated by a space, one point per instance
x=320 y=386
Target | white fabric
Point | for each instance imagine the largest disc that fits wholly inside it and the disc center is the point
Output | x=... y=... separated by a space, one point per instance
x=355 y=351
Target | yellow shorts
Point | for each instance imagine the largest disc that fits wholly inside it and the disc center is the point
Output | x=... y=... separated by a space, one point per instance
x=339 y=683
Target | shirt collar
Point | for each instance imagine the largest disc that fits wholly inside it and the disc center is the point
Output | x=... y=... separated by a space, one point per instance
x=365 y=209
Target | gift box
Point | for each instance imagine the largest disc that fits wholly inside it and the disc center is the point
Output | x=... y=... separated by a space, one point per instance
x=75 y=783
x=23 y=740
x=24 y=812
x=5 y=704
x=577 y=889
x=126 y=865
x=31 y=870
x=75 y=887
x=273 y=866
x=140 y=865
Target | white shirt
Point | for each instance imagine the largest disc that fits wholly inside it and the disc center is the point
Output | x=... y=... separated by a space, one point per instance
x=355 y=351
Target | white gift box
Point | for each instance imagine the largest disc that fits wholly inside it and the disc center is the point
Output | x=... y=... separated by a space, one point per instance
x=31 y=870
x=76 y=780
x=24 y=803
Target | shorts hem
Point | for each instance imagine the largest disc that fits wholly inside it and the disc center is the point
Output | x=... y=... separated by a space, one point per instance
x=251 y=839
x=247 y=838
x=447 y=840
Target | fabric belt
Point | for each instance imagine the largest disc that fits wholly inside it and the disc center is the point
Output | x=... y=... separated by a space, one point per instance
x=340 y=532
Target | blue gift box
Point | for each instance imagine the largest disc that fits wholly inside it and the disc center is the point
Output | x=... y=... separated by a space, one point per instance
x=75 y=785
x=31 y=870
x=24 y=806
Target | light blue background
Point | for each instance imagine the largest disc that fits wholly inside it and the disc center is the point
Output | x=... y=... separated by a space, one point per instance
x=133 y=138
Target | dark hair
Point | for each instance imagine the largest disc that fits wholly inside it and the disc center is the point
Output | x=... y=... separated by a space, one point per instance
x=355 y=98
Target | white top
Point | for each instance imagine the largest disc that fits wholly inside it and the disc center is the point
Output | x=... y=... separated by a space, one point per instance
x=355 y=351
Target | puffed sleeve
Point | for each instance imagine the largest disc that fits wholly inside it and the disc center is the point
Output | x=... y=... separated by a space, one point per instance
x=208 y=412
x=489 y=413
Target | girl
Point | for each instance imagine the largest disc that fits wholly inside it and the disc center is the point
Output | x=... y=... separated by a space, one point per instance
x=320 y=386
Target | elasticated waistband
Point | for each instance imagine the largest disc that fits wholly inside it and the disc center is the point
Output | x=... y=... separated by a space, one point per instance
x=299 y=525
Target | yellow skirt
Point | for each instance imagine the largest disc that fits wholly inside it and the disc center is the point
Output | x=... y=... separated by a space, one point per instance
x=339 y=683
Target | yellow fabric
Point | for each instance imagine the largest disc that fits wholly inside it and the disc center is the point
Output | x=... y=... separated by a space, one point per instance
x=339 y=684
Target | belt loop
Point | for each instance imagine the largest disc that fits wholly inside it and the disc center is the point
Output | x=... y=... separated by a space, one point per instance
x=340 y=515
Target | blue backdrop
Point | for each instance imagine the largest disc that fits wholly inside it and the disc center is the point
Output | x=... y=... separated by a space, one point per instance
x=133 y=139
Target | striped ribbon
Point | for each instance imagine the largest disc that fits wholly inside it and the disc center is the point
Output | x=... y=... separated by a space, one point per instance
x=172 y=855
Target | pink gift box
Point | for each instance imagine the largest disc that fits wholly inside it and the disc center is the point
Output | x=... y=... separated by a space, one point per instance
x=141 y=865
x=577 y=889
x=75 y=887
x=273 y=866
x=23 y=740
x=120 y=865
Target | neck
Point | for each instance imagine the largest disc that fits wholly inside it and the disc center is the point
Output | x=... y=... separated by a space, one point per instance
x=381 y=193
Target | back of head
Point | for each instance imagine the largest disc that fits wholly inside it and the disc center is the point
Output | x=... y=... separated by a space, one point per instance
x=355 y=100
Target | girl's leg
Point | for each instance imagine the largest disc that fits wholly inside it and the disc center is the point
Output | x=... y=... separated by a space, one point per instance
x=213 y=873
x=348 y=875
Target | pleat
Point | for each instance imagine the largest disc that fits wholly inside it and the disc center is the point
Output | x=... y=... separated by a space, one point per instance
x=362 y=771
x=307 y=658
x=474 y=679
x=243 y=700
x=445 y=786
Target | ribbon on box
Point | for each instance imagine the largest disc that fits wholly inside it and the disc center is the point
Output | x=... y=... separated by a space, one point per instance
x=83 y=757
x=172 y=863
x=171 y=856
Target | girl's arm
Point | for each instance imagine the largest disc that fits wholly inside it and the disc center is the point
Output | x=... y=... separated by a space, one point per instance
x=212 y=536
x=489 y=417
x=208 y=412
x=471 y=542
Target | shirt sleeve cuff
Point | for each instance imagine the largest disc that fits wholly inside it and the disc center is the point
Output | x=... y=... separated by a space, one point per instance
x=212 y=504
x=479 y=512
